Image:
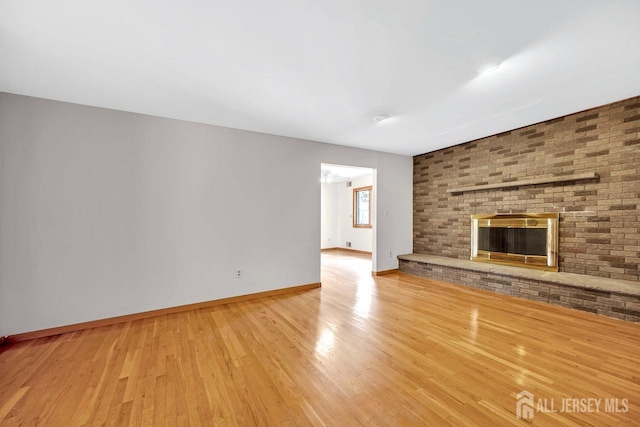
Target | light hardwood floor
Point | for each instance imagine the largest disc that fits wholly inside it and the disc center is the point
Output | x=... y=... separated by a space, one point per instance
x=389 y=350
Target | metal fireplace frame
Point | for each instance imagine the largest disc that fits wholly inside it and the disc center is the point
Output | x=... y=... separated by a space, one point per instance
x=548 y=221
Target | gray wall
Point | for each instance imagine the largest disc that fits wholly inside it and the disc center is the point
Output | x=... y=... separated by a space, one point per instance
x=105 y=213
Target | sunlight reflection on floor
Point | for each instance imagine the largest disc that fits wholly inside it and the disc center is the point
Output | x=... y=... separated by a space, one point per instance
x=366 y=287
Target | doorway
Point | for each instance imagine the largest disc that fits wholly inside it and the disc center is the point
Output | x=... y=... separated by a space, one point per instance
x=347 y=203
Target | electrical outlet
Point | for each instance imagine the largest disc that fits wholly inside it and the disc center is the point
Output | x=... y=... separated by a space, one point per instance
x=390 y=254
x=238 y=274
x=348 y=244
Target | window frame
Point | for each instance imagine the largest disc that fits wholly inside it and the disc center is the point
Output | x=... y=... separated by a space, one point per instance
x=354 y=211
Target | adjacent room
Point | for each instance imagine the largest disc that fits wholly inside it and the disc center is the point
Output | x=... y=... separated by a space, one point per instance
x=333 y=213
x=347 y=215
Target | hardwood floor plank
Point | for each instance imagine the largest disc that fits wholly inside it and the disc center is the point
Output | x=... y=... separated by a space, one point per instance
x=12 y=401
x=362 y=350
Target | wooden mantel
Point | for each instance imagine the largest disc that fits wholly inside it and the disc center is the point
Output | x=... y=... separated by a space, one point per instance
x=532 y=181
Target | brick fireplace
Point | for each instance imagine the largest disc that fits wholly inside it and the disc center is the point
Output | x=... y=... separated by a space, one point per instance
x=585 y=167
x=599 y=218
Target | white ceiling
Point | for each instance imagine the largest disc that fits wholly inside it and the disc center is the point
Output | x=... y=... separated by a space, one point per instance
x=339 y=173
x=321 y=70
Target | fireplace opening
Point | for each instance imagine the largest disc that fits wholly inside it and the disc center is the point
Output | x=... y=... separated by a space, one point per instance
x=523 y=241
x=527 y=240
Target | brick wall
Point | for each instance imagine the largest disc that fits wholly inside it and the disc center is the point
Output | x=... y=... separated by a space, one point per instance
x=599 y=219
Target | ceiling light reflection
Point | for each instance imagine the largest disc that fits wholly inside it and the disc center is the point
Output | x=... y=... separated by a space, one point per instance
x=364 y=298
x=521 y=379
x=324 y=344
x=473 y=324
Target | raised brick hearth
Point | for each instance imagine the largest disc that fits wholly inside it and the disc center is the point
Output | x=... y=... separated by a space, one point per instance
x=608 y=297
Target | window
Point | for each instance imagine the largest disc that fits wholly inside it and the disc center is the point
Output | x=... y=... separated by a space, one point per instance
x=362 y=207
